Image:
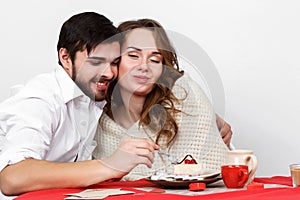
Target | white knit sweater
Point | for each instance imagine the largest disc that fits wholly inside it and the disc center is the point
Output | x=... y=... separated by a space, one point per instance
x=198 y=134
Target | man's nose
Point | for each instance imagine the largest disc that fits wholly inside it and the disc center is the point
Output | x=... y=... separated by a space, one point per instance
x=107 y=72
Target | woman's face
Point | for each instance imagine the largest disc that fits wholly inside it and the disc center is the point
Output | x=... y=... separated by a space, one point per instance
x=141 y=62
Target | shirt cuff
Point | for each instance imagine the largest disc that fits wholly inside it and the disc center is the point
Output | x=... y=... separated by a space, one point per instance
x=13 y=157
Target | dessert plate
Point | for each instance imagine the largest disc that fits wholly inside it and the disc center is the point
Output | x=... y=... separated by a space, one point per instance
x=175 y=181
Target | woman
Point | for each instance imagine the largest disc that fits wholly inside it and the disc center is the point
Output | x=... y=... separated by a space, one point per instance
x=153 y=99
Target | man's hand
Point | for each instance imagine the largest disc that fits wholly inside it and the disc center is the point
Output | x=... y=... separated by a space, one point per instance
x=225 y=130
x=131 y=152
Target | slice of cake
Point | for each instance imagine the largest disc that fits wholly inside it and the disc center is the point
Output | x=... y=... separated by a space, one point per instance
x=188 y=166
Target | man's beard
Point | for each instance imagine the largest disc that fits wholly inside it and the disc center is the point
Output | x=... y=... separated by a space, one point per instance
x=85 y=90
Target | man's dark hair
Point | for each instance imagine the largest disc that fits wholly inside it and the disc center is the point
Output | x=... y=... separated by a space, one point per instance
x=85 y=31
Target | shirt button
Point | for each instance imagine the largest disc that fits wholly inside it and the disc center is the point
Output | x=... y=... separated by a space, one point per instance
x=83 y=123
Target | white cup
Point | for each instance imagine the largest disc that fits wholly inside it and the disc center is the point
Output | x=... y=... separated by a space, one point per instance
x=243 y=157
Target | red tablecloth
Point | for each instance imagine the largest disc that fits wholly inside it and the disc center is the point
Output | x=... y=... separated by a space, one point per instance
x=259 y=194
x=283 y=180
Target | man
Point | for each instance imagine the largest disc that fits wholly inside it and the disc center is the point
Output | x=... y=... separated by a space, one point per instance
x=51 y=122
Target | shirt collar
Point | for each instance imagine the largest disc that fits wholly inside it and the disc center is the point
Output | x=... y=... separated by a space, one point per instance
x=100 y=104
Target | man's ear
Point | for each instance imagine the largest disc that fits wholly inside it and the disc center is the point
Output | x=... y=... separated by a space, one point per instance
x=65 y=60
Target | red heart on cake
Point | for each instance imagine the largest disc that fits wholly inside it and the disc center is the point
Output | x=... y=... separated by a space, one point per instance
x=192 y=161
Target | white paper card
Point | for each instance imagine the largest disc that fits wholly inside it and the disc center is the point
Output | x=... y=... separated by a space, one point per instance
x=97 y=193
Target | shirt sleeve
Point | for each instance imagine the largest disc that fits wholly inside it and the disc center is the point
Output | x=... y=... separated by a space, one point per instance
x=27 y=125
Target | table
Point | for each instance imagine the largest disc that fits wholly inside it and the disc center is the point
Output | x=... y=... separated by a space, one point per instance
x=240 y=194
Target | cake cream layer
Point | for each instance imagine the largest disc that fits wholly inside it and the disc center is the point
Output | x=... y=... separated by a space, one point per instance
x=188 y=169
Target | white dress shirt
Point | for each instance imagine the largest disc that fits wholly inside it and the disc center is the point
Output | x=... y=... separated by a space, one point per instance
x=49 y=119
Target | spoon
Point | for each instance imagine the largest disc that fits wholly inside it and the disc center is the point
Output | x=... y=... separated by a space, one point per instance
x=171 y=158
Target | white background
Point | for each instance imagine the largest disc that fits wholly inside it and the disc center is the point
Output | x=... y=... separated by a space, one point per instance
x=254 y=44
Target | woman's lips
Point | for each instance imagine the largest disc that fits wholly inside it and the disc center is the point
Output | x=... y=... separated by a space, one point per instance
x=141 y=79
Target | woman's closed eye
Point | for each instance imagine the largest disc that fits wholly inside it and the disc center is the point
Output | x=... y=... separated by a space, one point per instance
x=133 y=55
x=155 y=61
